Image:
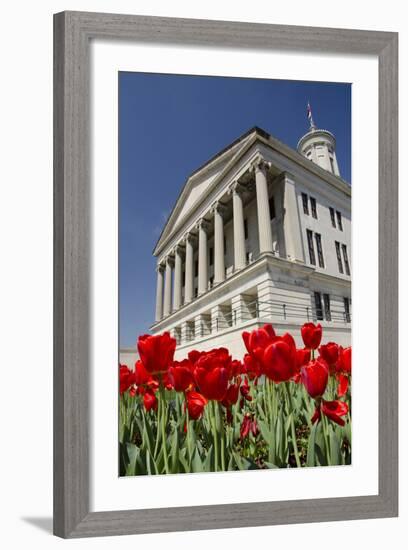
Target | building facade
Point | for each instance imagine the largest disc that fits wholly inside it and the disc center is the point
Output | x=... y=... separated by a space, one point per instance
x=260 y=233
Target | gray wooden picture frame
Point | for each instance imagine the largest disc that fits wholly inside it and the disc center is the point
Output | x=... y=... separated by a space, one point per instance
x=72 y=34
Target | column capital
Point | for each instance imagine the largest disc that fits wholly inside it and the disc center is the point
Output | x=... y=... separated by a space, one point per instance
x=160 y=267
x=260 y=164
x=203 y=224
x=169 y=260
x=219 y=207
x=178 y=249
x=235 y=188
x=189 y=238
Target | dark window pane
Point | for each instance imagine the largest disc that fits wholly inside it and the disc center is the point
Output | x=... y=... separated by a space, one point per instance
x=338 y=254
x=319 y=249
x=196 y=268
x=312 y=256
x=225 y=245
x=318 y=306
x=211 y=254
x=327 y=312
x=333 y=219
x=313 y=207
x=339 y=220
x=272 y=208
x=345 y=257
x=346 y=309
x=246 y=228
x=305 y=204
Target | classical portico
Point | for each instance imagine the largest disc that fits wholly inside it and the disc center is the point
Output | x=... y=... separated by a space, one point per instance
x=234 y=250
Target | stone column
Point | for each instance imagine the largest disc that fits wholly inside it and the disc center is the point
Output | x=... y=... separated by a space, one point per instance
x=159 y=293
x=291 y=221
x=239 y=230
x=167 y=287
x=177 y=278
x=219 y=263
x=189 y=284
x=262 y=200
x=202 y=256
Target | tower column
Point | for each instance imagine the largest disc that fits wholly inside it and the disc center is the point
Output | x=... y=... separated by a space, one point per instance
x=159 y=292
x=291 y=221
x=177 y=278
x=236 y=190
x=167 y=287
x=262 y=200
x=202 y=256
x=219 y=263
x=189 y=240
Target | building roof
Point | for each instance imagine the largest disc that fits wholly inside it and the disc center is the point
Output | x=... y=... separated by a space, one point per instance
x=250 y=135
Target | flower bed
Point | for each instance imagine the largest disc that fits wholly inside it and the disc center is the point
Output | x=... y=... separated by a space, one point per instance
x=278 y=407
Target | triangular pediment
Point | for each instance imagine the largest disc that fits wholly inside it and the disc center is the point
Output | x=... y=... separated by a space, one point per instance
x=199 y=182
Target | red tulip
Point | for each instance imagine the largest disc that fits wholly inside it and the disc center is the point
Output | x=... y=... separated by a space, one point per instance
x=126 y=378
x=334 y=410
x=211 y=373
x=343 y=384
x=181 y=375
x=252 y=366
x=245 y=389
x=254 y=428
x=245 y=426
x=142 y=377
x=344 y=361
x=315 y=376
x=312 y=335
x=330 y=353
x=231 y=397
x=195 y=404
x=149 y=401
x=258 y=340
x=279 y=359
x=156 y=352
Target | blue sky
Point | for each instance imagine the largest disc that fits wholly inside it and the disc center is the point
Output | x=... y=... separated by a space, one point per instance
x=171 y=124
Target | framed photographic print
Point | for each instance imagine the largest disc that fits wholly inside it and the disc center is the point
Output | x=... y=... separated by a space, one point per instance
x=225 y=243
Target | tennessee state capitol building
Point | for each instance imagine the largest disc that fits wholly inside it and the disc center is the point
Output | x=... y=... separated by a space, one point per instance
x=260 y=233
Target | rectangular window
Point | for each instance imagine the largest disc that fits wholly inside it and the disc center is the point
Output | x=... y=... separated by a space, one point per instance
x=339 y=221
x=272 y=210
x=318 y=306
x=319 y=249
x=305 y=204
x=196 y=268
x=312 y=256
x=313 y=207
x=333 y=219
x=211 y=255
x=345 y=258
x=346 y=309
x=327 y=312
x=338 y=254
x=246 y=228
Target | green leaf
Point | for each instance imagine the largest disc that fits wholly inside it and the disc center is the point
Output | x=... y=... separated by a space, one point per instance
x=196 y=464
x=132 y=452
x=311 y=460
x=208 y=462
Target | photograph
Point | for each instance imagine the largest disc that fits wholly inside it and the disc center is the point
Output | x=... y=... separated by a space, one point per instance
x=235 y=259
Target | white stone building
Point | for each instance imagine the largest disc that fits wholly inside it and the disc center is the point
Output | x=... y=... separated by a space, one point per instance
x=260 y=233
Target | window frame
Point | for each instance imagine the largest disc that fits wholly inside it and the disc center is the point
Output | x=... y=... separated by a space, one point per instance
x=312 y=255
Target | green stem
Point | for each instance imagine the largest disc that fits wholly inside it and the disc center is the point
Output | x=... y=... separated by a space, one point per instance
x=222 y=429
x=163 y=427
x=292 y=425
x=215 y=435
x=159 y=412
x=326 y=438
